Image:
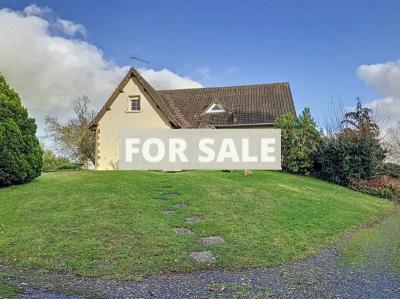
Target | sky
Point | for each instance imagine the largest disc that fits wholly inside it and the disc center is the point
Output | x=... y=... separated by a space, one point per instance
x=52 y=52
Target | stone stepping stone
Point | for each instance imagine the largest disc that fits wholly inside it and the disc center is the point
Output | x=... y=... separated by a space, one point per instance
x=160 y=198
x=179 y=206
x=212 y=240
x=203 y=256
x=172 y=195
x=183 y=231
x=169 y=213
x=193 y=219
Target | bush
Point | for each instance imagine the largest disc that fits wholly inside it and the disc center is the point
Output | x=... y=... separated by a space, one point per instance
x=301 y=141
x=349 y=157
x=390 y=169
x=384 y=187
x=20 y=152
x=353 y=154
x=53 y=163
x=69 y=166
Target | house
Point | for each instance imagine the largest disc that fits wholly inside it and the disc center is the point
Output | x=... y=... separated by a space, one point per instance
x=136 y=104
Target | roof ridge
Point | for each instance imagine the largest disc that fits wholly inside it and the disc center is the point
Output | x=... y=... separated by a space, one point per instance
x=220 y=87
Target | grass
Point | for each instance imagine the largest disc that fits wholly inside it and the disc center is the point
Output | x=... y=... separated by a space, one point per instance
x=111 y=224
x=8 y=291
x=377 y=246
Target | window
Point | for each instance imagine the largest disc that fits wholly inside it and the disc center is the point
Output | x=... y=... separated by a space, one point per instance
x=215 y=108
x=134 y=103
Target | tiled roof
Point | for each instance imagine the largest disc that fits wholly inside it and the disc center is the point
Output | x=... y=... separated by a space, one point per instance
x=186 y=108
x=243 y=105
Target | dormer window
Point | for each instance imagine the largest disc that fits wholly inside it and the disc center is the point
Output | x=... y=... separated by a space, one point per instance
x=215 y=108
x=134 y=103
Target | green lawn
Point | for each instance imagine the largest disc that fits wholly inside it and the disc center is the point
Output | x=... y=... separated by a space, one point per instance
x=111 y=223
x=377 y=246
x=8 y=291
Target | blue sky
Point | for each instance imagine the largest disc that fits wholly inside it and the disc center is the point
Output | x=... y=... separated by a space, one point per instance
x=317 y=46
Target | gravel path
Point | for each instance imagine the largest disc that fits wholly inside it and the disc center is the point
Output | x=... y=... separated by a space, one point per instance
x=320 y=276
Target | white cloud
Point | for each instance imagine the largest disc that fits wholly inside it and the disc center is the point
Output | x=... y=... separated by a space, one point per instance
x=70 y=28
x=387 y=111
x=165 y=79
x=34 y=10
x=385 y=77
x=51 y=70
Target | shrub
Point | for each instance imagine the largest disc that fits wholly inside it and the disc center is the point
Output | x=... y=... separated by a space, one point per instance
x=69 y=166
x=53 y=163
x=301 y=141
x=20 y=152
x=384 y=187
x=353 y=154
x=349 y=157
x=390 y=169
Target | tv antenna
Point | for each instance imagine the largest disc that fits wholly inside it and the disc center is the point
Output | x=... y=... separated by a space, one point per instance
x=139 y=59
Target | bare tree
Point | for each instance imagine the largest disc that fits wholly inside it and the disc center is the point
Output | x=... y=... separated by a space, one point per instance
x=74 y=139
x=392 y=144
x=332 y=120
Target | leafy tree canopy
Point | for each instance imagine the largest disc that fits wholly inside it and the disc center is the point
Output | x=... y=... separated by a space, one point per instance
x=20 y=151
x=301 y=141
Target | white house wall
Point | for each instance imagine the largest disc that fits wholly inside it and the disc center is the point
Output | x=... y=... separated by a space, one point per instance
x=119 y=117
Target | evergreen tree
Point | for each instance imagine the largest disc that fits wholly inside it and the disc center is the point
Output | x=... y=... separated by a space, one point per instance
x=20 y=152
x=301 y=141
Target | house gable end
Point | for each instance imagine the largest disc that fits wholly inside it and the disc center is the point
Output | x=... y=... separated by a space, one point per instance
x=146 y=88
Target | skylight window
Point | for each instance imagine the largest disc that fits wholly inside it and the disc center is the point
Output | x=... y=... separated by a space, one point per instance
x=214 y=108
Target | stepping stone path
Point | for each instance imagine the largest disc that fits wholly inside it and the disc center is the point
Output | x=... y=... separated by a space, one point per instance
x=200 y=257
x=183 y=231
x=193 y=219
x=179 y=206
x=203 y=256
x=169 y=213
x=160 y=198
x=213 y=240
x=172 y=195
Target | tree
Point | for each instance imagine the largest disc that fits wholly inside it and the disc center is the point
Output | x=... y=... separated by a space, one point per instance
x=360 y=121
x=354 y=153
x=301 y=141
x=74 y=139
x=392 y=143
x=20 y=151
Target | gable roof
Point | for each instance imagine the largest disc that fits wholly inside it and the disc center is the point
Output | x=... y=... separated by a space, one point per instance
x=160 y=103
x=248 y=105
x=243 y=105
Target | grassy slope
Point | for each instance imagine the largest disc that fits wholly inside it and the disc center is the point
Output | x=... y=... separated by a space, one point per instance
x=110 y=224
